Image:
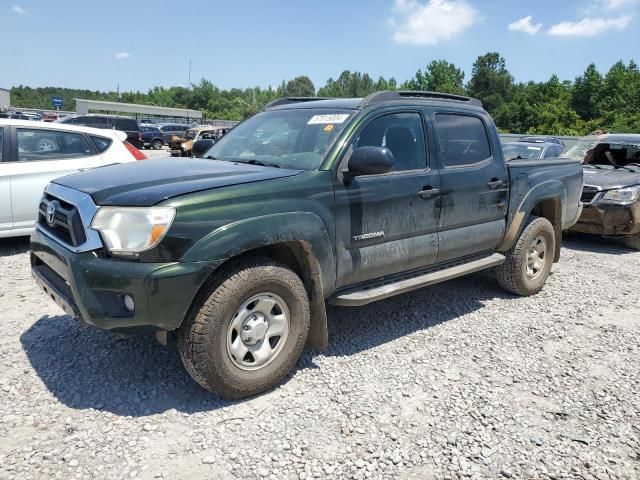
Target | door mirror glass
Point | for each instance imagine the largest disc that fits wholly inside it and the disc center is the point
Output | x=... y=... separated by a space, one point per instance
x=371 y=161
x=200 y=147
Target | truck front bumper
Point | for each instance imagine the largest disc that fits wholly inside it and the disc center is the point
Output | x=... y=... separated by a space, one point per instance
x=93 y=289
x=610 y=220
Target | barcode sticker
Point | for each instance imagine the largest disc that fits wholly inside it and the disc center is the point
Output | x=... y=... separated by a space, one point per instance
x=324 y=119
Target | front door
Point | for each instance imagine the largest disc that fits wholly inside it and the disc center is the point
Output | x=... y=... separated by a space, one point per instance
x=474 y=186
x=386 y=224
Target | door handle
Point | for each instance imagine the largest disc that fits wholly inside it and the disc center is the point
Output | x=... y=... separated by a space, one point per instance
x=429 y=192
x=495 y=183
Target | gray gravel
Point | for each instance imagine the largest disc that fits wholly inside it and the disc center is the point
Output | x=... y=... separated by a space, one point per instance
x=456 y=381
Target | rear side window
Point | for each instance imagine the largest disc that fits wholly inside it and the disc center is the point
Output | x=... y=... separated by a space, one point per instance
x=463 y=139
x=125 y=124
x=36 y=144
x=101 y=143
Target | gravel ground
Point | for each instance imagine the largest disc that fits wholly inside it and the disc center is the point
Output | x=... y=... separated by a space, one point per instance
x=455 y=381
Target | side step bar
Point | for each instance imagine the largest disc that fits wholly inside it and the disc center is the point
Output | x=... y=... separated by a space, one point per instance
x=356 y=298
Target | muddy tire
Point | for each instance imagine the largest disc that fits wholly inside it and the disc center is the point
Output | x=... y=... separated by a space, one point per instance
x=246 y=330
x=633 y=241
x=528 y=263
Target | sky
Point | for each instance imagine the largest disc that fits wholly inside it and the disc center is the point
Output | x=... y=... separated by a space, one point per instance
x=243 y=43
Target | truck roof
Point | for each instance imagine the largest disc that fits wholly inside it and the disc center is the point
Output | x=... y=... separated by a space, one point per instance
x=377 y=98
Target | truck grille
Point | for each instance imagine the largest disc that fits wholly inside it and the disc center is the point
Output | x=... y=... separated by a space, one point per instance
x=65 y=224
x=588 y=194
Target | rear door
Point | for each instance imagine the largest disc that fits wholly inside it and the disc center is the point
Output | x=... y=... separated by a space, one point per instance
x=474 y=184
x=41 y=156
x=387 y=224
x=6 y=217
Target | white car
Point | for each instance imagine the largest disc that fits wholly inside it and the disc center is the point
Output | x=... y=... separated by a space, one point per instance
x=34 y=153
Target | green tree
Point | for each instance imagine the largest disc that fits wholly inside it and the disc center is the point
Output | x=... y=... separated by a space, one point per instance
x=490 y=81
x=300 y=87
x=586 y=96
x=438 y=76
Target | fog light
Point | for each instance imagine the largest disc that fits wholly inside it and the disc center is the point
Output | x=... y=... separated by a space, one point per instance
x=129 y=303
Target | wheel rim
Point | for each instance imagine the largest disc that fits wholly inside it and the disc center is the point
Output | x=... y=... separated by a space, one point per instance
x=536 y=258
x=258 y=331
x=157 y=145
x=45 y=145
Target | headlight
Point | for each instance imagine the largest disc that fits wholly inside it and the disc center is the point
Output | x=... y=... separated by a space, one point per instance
x=622 y=195
x=130 y=230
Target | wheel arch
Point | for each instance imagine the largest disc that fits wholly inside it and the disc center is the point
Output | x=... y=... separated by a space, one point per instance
x=549 y=207
x=297 y=239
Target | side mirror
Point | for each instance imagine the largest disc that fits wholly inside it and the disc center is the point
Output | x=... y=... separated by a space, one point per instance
x=200 y=147
x=370 y=161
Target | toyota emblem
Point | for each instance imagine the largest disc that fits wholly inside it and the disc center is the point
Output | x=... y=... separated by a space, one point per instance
x=51 y=213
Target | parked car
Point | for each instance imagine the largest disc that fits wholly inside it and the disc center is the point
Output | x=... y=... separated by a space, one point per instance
x=348 y=201
x=152 y=137
x=170 y=130
x=18 y=116
x=114 y=122
x=531 y=150
x=542 y=139
x=611 y=194
x=49 y=117
x=181 y=147
x=34 y=153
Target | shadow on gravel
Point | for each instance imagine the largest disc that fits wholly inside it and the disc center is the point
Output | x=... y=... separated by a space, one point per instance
x=595 y=244
x=84 y=367
x=352 y=330
x=13 y=246
x=135 y=376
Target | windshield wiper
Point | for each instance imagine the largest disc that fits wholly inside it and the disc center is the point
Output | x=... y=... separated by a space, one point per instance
x=258 y=162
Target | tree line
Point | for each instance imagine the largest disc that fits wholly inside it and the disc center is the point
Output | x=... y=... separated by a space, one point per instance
x=592 y=101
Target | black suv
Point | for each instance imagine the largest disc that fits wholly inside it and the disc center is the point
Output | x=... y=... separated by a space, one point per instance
x=115 y=122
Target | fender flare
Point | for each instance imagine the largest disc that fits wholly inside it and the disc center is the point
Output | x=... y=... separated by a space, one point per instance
x=304 y=228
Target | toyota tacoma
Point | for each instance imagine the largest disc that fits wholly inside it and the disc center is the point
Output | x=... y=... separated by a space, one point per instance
x=345 y=201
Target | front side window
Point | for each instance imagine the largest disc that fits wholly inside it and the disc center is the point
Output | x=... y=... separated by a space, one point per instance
x=294 y=138
x=463 y=139
x=36 y=144
x=402 y=133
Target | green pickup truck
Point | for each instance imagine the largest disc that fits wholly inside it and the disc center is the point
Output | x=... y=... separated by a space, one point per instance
x=346 y=201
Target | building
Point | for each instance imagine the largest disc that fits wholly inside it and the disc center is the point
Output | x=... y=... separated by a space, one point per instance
x=5 y=99
x=84 y=106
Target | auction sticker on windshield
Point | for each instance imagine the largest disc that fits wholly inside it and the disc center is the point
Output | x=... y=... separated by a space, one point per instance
x=324 y=119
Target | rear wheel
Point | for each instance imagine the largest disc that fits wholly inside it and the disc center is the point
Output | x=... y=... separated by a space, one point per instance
x=157 y=144
x=633 y=241
x=246 y=331
x=528 y=263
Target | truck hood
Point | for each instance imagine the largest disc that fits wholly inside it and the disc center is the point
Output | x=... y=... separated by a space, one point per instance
x=608 y=179
x=145 y=183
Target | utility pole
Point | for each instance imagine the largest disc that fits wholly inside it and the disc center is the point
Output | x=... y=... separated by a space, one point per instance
x=189 y=91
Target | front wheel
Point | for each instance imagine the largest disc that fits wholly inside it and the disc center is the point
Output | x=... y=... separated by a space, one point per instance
x=157 y=144
x=246 y=331
x=633 y=241
x=528 y=263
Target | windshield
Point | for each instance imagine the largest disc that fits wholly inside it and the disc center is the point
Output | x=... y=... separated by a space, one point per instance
x=580 y=149
x=512 y=151
x=605 y=153
x=296 y=138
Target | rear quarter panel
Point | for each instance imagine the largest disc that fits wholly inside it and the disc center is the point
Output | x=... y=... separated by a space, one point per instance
x=533 y=181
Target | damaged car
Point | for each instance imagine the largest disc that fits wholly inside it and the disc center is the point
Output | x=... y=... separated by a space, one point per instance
x=611 y=194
